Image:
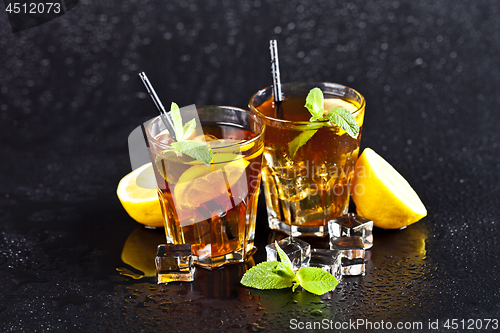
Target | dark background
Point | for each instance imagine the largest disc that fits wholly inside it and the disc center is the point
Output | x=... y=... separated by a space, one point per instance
x=70 y=96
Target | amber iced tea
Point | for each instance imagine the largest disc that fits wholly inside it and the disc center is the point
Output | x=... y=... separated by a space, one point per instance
x=307 y=189
x=212 y=207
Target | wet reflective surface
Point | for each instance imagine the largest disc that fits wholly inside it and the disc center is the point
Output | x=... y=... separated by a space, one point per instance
x=71 y=259
x=105 y=276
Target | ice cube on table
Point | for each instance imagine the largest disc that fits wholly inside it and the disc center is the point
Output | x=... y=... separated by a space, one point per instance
x=352 y=252
x=297 y=250
x=350 y=247
x=174 y=263
x=352 y=225
x=327 y=260
x=353 y=267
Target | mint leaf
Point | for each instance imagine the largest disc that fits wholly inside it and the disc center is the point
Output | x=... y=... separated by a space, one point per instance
x=194 y=149
x=299 y=141
x=345 y=120
x=267 y=275
x=188 y=129
x=316 y=281
x=287 y=271
x=283 y=257
x=197 y=150
x=286 y=264
x=175 y=114
x=315 y=103
x=337 y=116
x=279 y=274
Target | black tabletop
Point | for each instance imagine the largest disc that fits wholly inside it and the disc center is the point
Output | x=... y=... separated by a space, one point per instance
x=70 y=96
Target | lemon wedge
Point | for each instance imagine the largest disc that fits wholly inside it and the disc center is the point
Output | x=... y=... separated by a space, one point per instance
x=137 y=192
x=381 y=194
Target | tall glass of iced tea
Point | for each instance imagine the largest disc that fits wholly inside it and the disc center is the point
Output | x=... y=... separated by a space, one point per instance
x=307 y=187
x=213 y=207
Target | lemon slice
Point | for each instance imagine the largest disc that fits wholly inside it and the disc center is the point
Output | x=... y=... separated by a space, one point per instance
x=137 y=192
x=381 y=194
x=331 y=103
x=201 y=183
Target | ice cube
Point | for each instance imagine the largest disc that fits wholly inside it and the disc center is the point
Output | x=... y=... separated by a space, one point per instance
x=298 y=251
x=353 y=254
x=350 y=247
x=353 y=267
x=327 y=260
x=174 y=263
x=352 y=225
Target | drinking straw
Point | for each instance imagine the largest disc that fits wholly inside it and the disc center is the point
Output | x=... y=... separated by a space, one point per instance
x=275 y=69
x=167 y=121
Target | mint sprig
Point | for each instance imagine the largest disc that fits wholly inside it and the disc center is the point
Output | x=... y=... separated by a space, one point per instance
x=345 y=120
x=194 y=149
x=280 y=275
x=337 y=116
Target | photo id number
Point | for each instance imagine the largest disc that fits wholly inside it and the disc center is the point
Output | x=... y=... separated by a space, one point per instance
x=33 y=8
x=471 y=324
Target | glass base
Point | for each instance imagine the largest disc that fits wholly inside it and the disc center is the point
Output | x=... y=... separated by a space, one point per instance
x=297 y=230
x=166 y=277
x=226 y=259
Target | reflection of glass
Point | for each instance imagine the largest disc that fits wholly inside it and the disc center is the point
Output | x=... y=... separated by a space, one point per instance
x=306 y=190
x=224 y=282
x=211 y=207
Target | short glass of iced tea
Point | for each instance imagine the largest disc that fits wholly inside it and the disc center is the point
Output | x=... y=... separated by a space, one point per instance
x=306 y=188
x=212 y=207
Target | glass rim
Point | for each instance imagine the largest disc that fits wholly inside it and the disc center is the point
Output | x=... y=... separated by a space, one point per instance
x=284 y=122
x=258 y=135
